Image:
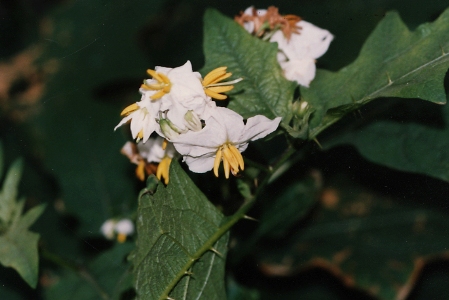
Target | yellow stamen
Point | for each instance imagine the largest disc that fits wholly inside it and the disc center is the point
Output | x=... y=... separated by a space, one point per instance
x=139 y=135
x=232 y=160
x=211 y=84
x=140 y=170
x=163 y=84
x=121 y=237
x=226 y=168
x=163 y=169
x=212 y=75
x=221 y=89
x=238 y=156
x=228 y=155
x=164 y=144
x=217 y=162
x=129 y=109
x=215 y=95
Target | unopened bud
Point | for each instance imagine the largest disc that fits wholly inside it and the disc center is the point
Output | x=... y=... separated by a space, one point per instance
x=192 y=121
x=300 y=108
x=169 y=129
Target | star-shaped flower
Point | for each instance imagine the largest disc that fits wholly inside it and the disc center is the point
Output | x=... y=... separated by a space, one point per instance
x=223 y=138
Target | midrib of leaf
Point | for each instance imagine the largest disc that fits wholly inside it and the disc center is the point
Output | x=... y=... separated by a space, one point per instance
x=374 y=94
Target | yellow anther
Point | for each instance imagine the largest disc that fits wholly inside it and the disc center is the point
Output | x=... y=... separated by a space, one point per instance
x=163 y=84
x=129 y=109
x=121 y=237
x=213 y=75
x=163 y=169
x=164 y=144
x=232 y=160
x=238 y=156
x=217 y=162
x=226 y=168
x=139 y=135
x=140 y=170
x=212 y=86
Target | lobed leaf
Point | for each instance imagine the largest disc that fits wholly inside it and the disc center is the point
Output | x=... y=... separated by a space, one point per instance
x=177 y=227
x=18 y=247
x=393 y=62
x=264 y=89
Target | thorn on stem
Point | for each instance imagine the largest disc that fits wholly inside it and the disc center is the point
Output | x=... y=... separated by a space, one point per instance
x=250 y=218
x=216 y=252
x=389 y=79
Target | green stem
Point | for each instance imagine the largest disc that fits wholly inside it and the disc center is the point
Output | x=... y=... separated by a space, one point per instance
x=226 y=226
x=80 y=270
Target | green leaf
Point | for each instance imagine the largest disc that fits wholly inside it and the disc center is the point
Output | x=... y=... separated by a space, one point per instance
x=106 y=277
x=264 y=90
x=371 y=241
x=393 y=62
x=409 y=147
x=8 y=195
x=18 y=247
x=177 y=228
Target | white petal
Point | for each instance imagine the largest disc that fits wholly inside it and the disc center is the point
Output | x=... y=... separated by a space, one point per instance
x=302 y=71
x=311 y=42
x=200 y=164
x=258 y=127
x=124 y=226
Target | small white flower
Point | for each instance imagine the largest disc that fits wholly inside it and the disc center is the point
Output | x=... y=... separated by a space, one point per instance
x=223 y=138
x=108 y=229
x=297 y=54
x=124 y=226
x=143 y=118
x=154 y=150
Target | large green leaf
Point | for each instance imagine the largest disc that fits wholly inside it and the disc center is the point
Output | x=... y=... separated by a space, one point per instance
x=393 y=62
x=371 y=241
x=264 y=90
x=178 y=230
x=405 y=146
x=106 y=277
x=18 y=246
x=94 y=47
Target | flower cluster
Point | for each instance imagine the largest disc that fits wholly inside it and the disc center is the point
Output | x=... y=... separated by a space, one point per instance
x=177 y=105
x=119 y=229
x=299 y=42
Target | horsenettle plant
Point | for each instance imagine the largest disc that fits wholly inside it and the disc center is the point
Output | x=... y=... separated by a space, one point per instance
x=182 y=237
x=256 y=61
x=253 y=169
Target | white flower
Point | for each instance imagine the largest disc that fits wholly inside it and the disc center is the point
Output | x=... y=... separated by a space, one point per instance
x=142 y=116
x=122 y=228
x=223 y=138
x=107 y=229
x=154 y=150
x=160 y=151
x=297 y=54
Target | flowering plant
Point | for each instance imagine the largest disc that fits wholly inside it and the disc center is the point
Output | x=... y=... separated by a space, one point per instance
x=293 y=159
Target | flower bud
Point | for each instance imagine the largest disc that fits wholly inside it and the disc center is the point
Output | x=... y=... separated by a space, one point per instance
x=107 y=229
x=300 y=108
x=169 y=130
x=192 y=121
